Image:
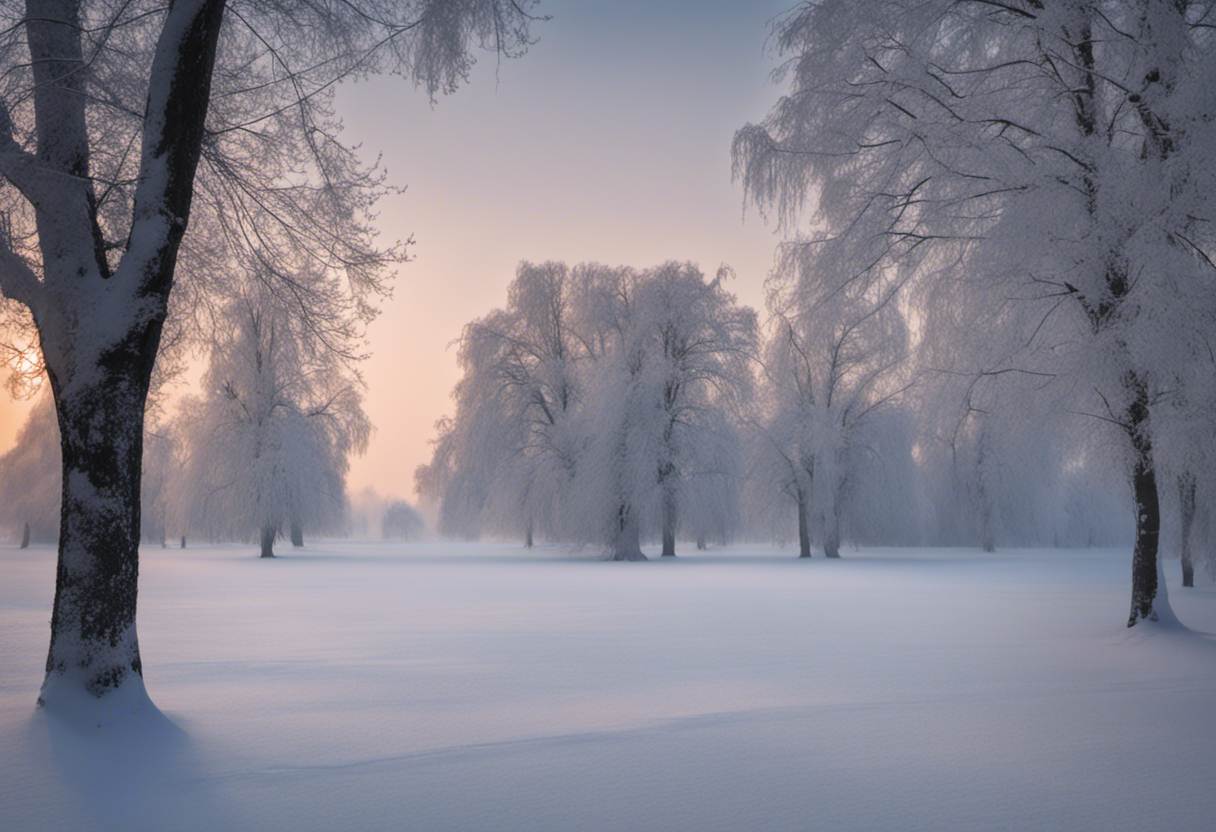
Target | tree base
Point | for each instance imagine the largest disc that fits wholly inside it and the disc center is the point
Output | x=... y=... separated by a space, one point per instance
x=628 y=556
x=70 y=696
x=1136 y=618
x=1156 y=610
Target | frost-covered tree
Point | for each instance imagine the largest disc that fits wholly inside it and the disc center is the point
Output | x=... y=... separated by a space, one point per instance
x=161 y=465
x=504 y=458
x=1043 y=170
x=30 y=481
x=697 y=347
x=836 y=355
x=402 y=522
x=594 y=404
x=121 y=125
x=670 y=355
x=270 y=442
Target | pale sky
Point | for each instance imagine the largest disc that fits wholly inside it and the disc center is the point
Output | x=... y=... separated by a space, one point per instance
x=609 y=141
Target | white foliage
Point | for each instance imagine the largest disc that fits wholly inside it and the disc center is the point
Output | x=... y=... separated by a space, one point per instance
x=270 y=441
x=598 y=396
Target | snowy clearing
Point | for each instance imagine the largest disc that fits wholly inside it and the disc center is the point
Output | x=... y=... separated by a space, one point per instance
x=472 y=686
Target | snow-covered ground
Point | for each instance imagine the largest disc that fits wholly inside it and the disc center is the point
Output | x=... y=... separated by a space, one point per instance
x=479 y=687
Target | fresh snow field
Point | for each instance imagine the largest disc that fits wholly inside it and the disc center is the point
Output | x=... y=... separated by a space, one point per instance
x=478 y=687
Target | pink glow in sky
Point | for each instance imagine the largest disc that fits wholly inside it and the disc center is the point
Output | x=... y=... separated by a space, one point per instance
x=609 y=141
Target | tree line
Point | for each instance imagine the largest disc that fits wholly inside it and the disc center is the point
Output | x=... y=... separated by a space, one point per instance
x=608 y=406
x=1017 y=194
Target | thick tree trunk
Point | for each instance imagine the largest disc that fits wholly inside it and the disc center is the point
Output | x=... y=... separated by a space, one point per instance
x=1186 y=502
x=25 y=536
x=628 y=542
x=701 y=547
x=1148 y=510
x=93 y=640
x=528 y=535
x=100 y=327
x=297 y=534
x=269 y=532
x=669 y=524
x=804 y=526
x=183 y=541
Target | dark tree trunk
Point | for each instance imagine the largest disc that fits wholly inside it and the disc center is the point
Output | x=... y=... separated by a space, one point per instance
x=701 y=543
x=628 y=542
x=297 y=534
x=25 y=536
x=93 y=638
x=99 y=363
x=1186 y=502
x=983 y=498
x=831 y=529
x=183 y=541
x=987 y=541
x=804 y=525
x=831 y=540
x=269 y=533
x=669 y=524
x=1148 y=509
x=528 y=535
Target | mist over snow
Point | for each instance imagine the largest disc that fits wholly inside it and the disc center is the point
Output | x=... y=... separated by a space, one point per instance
x=756 y=418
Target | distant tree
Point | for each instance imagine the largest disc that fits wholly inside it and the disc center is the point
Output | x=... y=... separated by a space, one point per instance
x=698 y=347
x=402 y=522
x=835 y=358
x=30 y=483
x=269 y=444
x=162 y=463
x=594 y=403
x=504 y=458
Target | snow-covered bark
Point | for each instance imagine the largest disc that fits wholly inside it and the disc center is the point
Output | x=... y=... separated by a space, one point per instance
x=100 y=320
